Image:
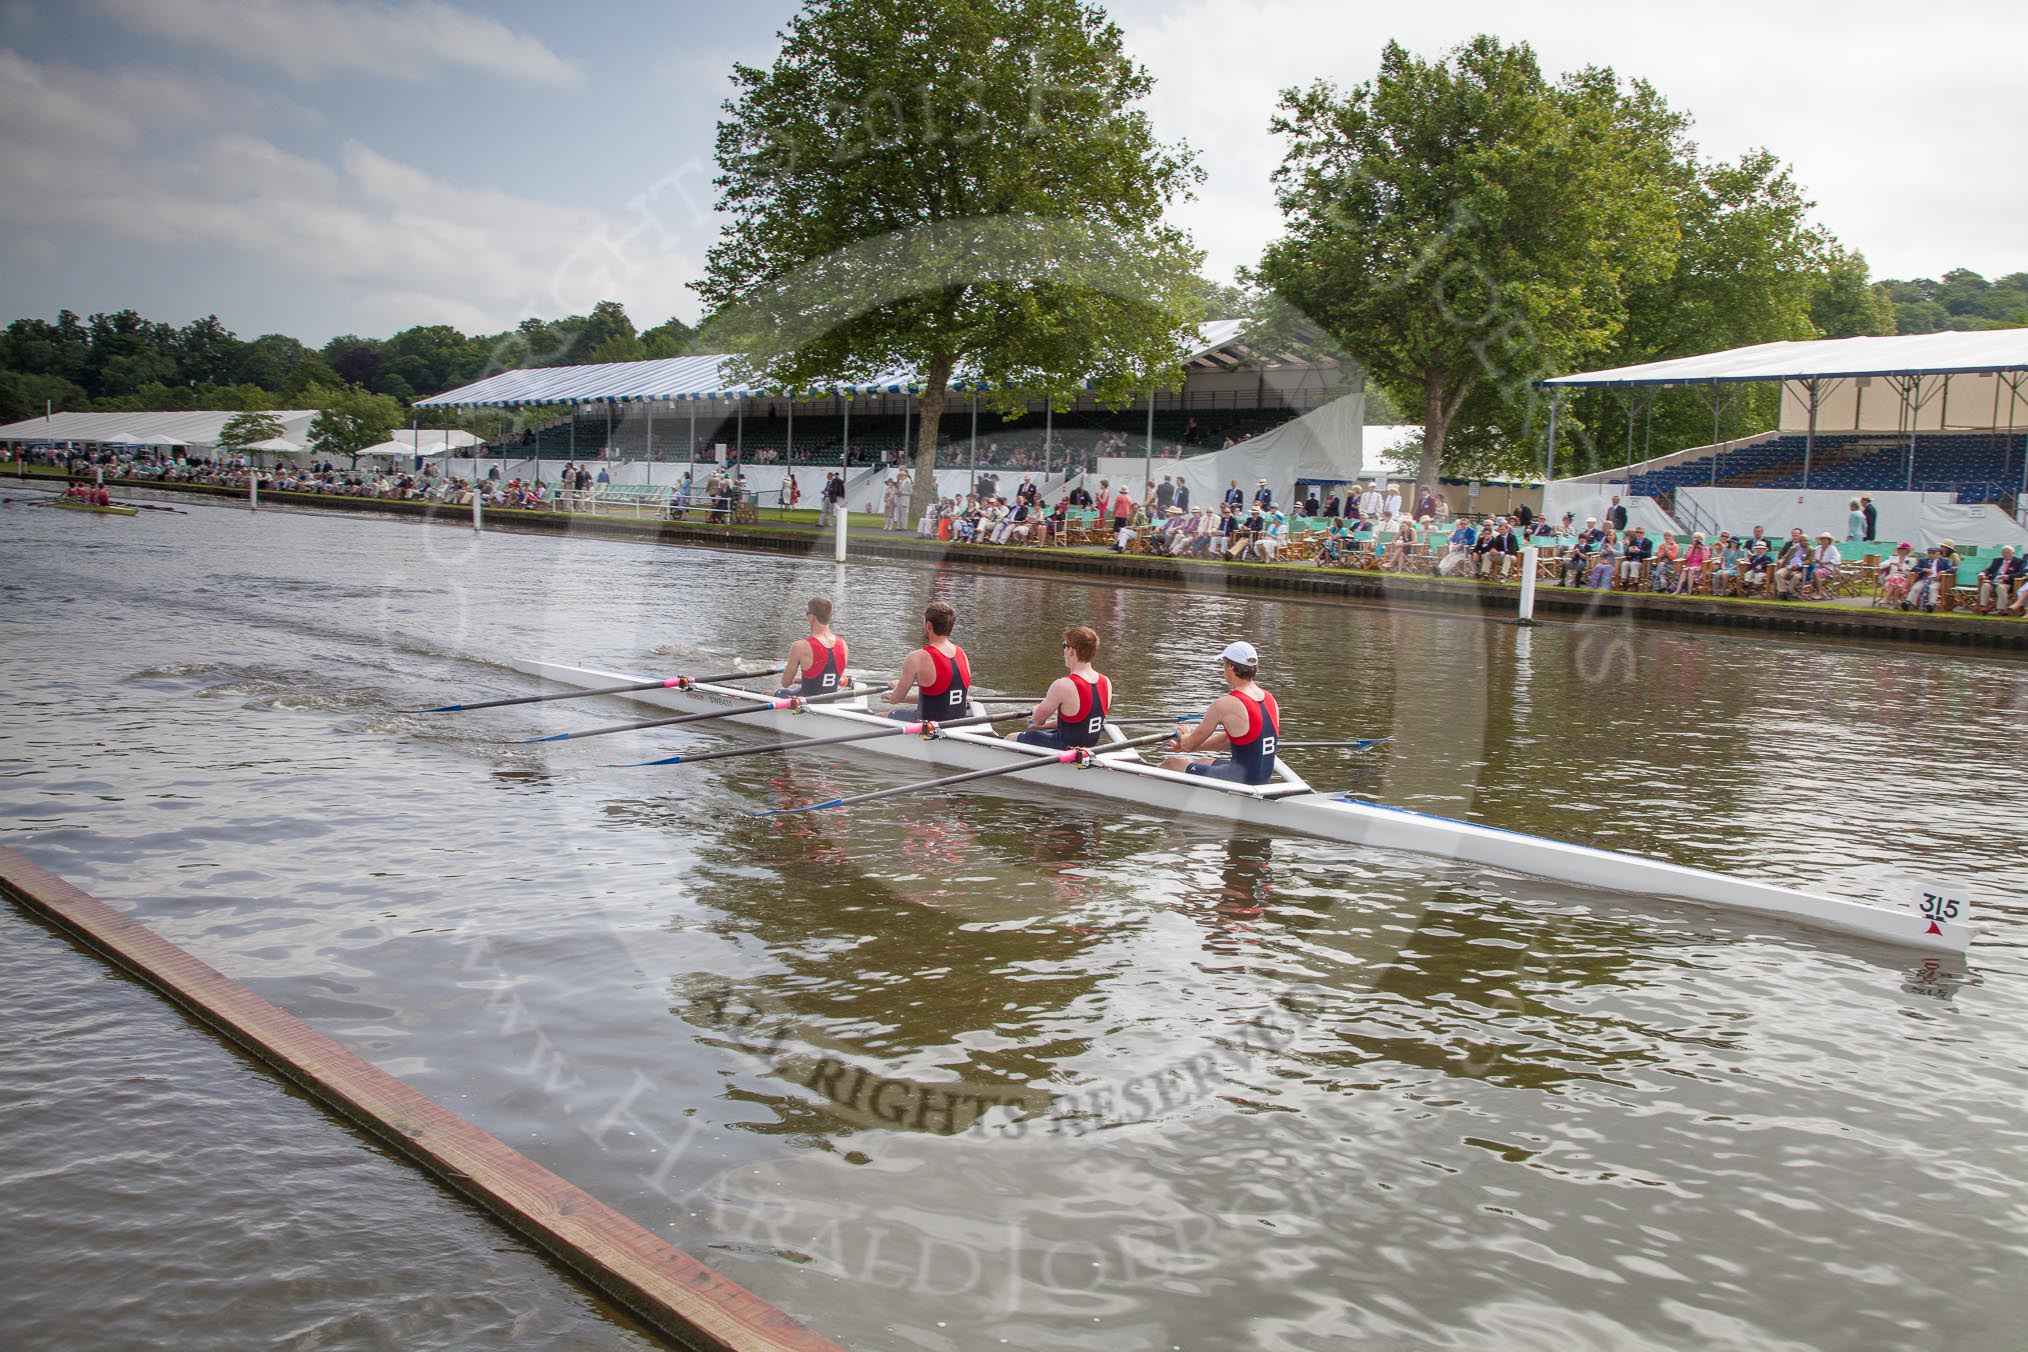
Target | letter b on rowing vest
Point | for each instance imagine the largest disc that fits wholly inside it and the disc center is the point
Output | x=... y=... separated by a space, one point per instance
x=1267 y=744
x=1095 y=724
x=830 y=681
x=954 y=700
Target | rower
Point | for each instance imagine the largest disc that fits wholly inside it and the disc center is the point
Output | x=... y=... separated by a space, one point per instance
x=1244 y=721
x=937 y=671
x=1073 y=713
x=816 y=664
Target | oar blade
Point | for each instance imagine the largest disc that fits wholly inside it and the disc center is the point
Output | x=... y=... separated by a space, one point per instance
x=807 y=807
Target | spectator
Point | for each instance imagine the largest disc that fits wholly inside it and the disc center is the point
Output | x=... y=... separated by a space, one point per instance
x=1872 y=515
x=1758 y=567
x=1855 y=522
x=1926 y=580
x=1691 y=574
x=1896 y=574
x=1616 y=515
x=1458 y=556
x=1638 y=550
x=1604 y=559
x=1997 y=579
x=1662 y=571
x=1795 y=566
x=1825 y=564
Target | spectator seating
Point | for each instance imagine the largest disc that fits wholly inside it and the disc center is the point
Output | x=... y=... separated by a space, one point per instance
x=1976 y=466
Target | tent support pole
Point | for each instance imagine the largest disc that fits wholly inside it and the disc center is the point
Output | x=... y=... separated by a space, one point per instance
x=975 y=442
x=1549 y=470
x=1148 y=454
x=1810 y=437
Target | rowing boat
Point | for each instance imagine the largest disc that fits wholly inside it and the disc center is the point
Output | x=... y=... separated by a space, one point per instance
x=73 y=505
x=1290 y=806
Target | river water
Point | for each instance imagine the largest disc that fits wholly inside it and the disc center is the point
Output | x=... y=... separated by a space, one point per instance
x=1009 y=1069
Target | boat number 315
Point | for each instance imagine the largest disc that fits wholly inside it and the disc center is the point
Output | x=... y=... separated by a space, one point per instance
x=1937 y=906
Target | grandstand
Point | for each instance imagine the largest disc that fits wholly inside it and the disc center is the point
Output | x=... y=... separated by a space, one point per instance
x=1983 y=466
x=680 y=408
x=1940 y=414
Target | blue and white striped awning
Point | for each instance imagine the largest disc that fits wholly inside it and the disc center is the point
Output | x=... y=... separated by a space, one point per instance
x=671 y=379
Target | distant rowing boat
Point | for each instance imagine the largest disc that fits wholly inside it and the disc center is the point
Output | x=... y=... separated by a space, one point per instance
x=73 y=505
x=1289 y=806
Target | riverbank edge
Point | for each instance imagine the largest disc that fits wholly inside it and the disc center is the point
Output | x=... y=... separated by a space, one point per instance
x=687 y=1302
x=1787 y=619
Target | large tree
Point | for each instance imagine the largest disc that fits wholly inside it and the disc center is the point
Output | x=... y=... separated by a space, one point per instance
x=1466 y=222
x=967 y=188
x=351 y=420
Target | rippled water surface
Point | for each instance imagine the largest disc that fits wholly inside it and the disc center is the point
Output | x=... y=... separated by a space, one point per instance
x=1023 y=1069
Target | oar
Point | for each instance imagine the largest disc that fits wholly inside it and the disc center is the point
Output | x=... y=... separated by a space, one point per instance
x=759 y=705
x=1076 y=755
x=1356 y=744
x=672 y=683
x=929 y=729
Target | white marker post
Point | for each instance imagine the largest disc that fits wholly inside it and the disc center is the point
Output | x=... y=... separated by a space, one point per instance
x=253 y=491
x=838 y=547
x=1528 y=585
x=478 y=522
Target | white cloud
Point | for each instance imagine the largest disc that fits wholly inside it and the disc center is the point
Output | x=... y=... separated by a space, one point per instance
x=318 y=39
x=408 y=246
x=1901 y=131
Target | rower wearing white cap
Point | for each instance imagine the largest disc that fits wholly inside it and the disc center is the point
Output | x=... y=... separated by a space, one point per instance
x=1244 y=721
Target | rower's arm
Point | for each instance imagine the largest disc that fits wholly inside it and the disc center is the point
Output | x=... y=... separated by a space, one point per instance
x=1209 y=734
x=905 y=682
x=799 y=658
x=1053 y=703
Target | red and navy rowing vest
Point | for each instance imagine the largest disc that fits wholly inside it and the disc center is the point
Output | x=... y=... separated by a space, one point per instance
x=950 y=690
x=1083 y=725
x=822 y=675
x=1254 y=753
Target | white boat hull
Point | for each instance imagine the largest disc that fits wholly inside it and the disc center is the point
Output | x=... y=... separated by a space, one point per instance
x=1290 y=807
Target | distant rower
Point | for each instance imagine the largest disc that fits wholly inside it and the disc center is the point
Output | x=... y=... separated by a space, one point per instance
x=938 y=671
x=1243 y=721
x=1073 y=713
x=816 y=664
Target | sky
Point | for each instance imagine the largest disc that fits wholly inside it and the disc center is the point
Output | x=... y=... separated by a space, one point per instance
x=318 y=167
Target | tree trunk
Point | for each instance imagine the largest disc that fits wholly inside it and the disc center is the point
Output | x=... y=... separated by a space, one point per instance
x=929 y=425
x=1436 y=425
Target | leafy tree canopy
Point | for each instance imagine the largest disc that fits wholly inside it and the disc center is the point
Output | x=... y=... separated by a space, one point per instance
x=951 y=185
x=1466 y=221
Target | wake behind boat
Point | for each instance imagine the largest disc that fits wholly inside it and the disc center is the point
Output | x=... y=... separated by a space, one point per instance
x=1287 y=805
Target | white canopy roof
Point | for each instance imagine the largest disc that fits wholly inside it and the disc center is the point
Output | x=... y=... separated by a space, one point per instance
x=1827 y=358
x=673 y=378
x=168 y=428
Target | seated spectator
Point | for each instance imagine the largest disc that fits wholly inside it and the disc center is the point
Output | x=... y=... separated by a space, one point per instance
x=1927 y=580
x=1499 y=551
x=1458 y=558
x=1758 y=566
x=1896 y=574
x=1825 y=564
x=1998 y=579
x=1577 y=560
x=1794 y=567
x=1725 y=561
x=1605 y=558
x=1274 y=538
x=1399 y=547
x=1691 y=573
x=1663 y=569
x=1637 y=551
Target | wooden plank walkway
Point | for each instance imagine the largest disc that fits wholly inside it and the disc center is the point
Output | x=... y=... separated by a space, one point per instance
x=678 y=1296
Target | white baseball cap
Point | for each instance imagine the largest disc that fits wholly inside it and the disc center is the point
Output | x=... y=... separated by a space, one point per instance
x=1240 y=654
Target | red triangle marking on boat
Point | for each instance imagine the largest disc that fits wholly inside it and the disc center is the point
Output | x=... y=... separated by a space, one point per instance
x=1934 y=928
